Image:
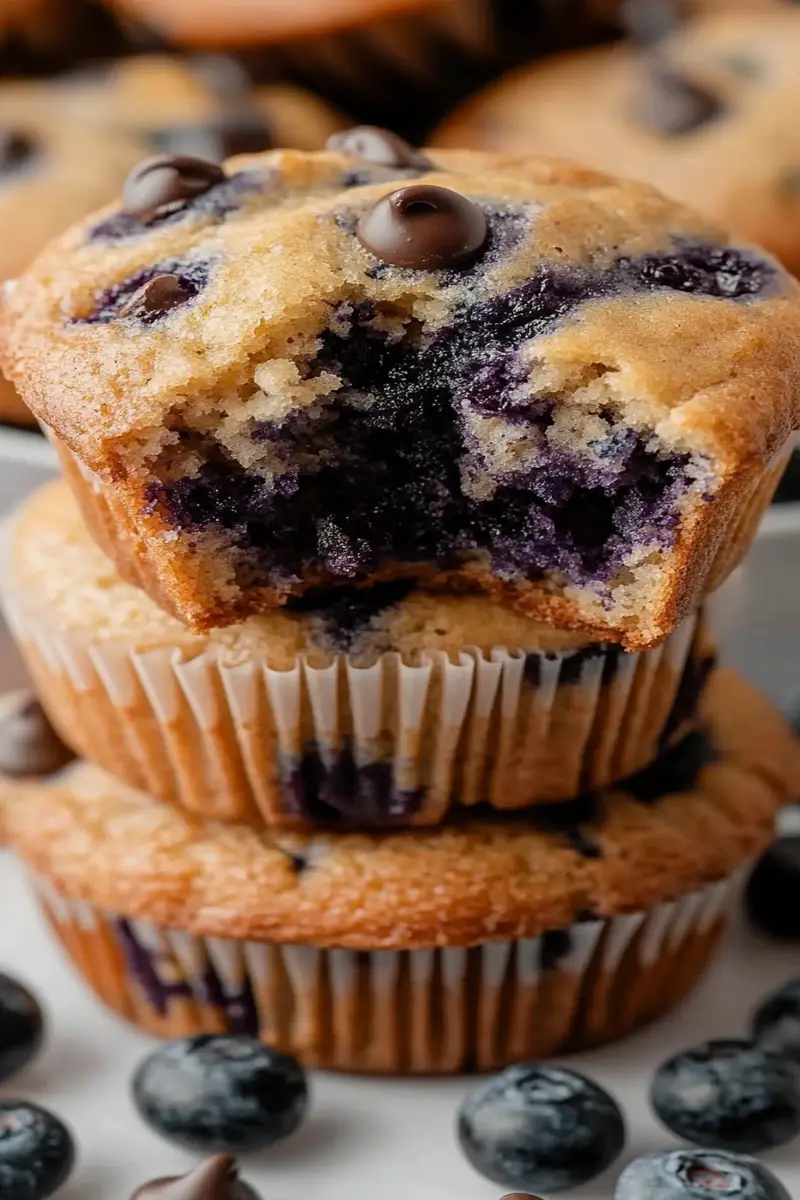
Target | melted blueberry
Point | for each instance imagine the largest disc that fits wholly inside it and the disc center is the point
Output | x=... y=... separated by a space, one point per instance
x=333 y=788
x=344 y=613
x=213 y=205
x=140 y=296
x=675 y=770
x=392 y=444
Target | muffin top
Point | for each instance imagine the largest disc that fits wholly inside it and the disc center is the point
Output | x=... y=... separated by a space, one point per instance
x=706 y=115
x=694 y=818
x=522 y=263
x=57 y=570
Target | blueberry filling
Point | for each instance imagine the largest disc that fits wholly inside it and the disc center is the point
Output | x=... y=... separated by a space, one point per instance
x=213 y=205
x=344 y=613
x=143 y=963
x=387 y=457
x=332 y=788
x=119 y=302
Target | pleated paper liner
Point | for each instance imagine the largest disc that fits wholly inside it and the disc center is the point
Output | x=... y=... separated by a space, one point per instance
x=391 y=743
x=424 y=1011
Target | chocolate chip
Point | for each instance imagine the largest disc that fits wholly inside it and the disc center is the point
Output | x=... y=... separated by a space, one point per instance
x=378 y=146
x=164 y=183
x=671 y=104
x=156 y=298
x=424 y=228
x=238 y=133
x=215 y=1178
x=15 y=149
x=29 y=746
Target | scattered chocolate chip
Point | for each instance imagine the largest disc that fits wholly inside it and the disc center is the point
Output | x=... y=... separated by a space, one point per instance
x=424 y=228
x=215 y=1178
x=29 y=746
x=378 y=146
x=650 y=21
x=155 y=298
x=164 y=183
x=238 y=133
x=15 y=149
x=672 y=104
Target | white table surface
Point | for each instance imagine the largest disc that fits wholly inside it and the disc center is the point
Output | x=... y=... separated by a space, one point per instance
x=376 y=1139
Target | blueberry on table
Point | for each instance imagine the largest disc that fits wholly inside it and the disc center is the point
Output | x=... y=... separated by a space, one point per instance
x=729 y=1094
x=776 y=1022
x=21 y=1026
x=220 y=1093
x=773 y=893
x=538 y=1127
x=698 y=1175
x=37 y=1152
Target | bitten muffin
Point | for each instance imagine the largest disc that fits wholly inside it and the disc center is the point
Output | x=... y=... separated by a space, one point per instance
x=456 y=949
x=384 y=706
x=512 y=375
x=707 y=115
x=67 y=147
x=397 y=61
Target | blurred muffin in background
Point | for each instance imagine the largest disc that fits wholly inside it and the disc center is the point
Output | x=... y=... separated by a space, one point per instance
x=202 y=105
x=708 y=114
x=66 y=147
x=392 y=62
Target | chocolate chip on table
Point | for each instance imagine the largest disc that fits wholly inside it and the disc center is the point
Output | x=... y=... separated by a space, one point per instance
x=16 y=148
x=29 y=746
x=378 y=146
x=165 y=182
x=214 y=1178
x=155 y=298
x=424 y=228
x=237 y=133
x=670 y=103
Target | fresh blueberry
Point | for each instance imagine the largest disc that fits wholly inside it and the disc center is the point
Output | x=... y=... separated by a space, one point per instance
x=37 y=1152
x=220 y=1093
x=540 y=1127
x=773 y=893
x=776 y=1023
x=729 y=1094
x=698 y=1175
x=21 y=1026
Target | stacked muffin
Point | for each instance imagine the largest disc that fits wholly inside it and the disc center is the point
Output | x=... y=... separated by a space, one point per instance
x=395 y=483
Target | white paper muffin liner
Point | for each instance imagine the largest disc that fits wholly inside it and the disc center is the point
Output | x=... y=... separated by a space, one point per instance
x=386 y=744
x=424 y=1011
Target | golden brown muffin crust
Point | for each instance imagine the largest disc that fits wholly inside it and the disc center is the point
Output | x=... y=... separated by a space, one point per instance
x=462 y=885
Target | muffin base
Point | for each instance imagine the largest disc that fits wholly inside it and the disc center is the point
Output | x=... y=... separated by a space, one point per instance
x=417 y=1012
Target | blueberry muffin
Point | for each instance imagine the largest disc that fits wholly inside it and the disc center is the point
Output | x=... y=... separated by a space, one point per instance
x=395 y=61
x=707 y=115
x=466 y=947
x=53 y=171
x=385 y=706
x=66 y=147
x=513 y=376
x=202 y=105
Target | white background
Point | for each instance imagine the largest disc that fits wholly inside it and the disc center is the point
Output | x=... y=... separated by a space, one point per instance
x=363 y=1139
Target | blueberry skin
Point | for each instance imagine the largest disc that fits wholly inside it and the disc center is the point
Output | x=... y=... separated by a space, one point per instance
x=21 y=1026
x=773 y=891
x=776 y=1022
x=220 y=1093
x=729 y=1095
x=540 y=1129
x=37 y=1152
x=698 y=1175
